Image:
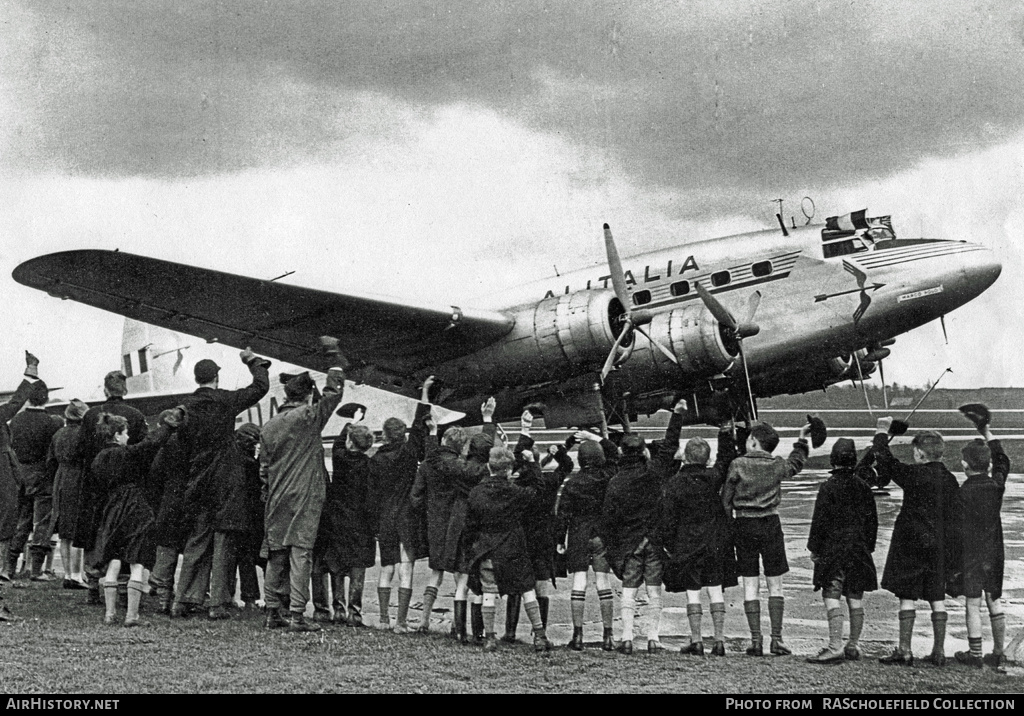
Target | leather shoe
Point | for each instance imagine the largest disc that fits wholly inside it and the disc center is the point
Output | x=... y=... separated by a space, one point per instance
x=274 y=619
x=827 y=656
x=626 y=647
x=299 y=624
x=608 y=642
x=851 y=653
x=936 y=658
x=217 y=613
x=996 y=661
x=756 y=648
x=694 y=648
x=490 y=643
x=779 y=649
x=898 y=658
x=718 y=649
x=74 y=584
x=654 y=646
x=540 y=642
x=969 y=659
x=577 y=639
x=6 y=616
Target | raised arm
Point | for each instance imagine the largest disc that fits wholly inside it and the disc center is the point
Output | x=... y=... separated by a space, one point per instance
x=724 y=456
x=247 y=397
x=888 y=467
x=334 y=390
x=798 y=456
x=9 y=409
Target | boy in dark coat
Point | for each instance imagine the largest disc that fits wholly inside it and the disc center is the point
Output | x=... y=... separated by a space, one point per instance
x=695 y=532
x=580 y=503
x=753 y=490
x=126 y=520
x=477 y=455
x=31 y=432
x=345 y=545
x=981 y=498
x=392 y=474
x=841 y=540
x=539 y=525
x=925 y=551
x=499 y=553
x=170 y=471
x=629 y=524
x=62 y=461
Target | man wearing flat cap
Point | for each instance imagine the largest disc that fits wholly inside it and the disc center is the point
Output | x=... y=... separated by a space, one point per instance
x=208 y=446
x=295 y=479
x=94 y=495
x=842 y=538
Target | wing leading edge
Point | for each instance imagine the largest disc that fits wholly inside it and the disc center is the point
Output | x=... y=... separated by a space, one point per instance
x=278 y=320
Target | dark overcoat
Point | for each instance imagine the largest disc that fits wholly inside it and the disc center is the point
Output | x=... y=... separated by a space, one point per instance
x=170 y=470
x=126 y=520
x=346 y=536
x=63 y=463
x=32 y=430
x=843 y=531
x=540 y=523
x=580 y=503
x=9 y=468
x=497 y=507
x=93 y=494
x=432 y=496
x=926 y=539
x=695 y=529
x=392 y=474
x=981 y=499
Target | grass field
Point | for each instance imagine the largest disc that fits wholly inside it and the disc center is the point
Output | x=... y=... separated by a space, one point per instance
x=61 y=647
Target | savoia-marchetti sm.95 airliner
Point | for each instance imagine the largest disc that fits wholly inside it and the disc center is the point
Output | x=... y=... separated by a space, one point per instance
x=720 y=321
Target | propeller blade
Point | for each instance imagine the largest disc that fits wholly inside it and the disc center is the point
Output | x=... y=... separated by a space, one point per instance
x=720 y=312
x=861 y=374
x=746 y=374
x=615 y=268
x=613 y=354
x=881 y=374
x=668 y=354
x=942 y=320
x=752 y=303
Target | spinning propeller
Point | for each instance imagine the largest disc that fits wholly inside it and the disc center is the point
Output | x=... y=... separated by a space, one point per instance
x=634 y=319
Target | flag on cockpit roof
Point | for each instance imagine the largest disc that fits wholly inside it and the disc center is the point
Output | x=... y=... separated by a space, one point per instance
x=847 y=222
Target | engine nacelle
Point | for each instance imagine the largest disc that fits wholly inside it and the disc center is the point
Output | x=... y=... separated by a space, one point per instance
x=693 y=335
x=550 y=340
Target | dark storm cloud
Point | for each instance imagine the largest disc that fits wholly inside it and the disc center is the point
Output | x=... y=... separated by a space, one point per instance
x=694 y=96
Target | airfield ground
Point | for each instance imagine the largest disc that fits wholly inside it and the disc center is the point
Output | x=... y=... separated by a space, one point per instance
x=61 y=646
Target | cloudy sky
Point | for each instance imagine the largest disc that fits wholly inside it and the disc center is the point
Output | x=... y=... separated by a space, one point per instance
x=438 y=149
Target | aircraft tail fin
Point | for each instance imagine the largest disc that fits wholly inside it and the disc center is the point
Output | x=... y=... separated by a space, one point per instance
x=154 y=359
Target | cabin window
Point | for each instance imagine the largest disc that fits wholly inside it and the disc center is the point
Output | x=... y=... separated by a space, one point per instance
x=126 y=362
x=143 y=364
x=722 y=278
x=680 y=288
x=761 y=268
x=641 y=297
x=842 y=248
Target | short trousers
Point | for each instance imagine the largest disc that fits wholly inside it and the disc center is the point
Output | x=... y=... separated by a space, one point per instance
x=760 y=538
x=836 y=588
x=487 y=580
x=643 y=566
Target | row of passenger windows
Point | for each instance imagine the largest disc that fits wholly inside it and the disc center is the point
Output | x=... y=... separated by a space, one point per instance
x=721 y=278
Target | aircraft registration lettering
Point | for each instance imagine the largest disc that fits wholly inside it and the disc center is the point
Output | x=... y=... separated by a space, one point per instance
x=690 y=264
x=919 y=294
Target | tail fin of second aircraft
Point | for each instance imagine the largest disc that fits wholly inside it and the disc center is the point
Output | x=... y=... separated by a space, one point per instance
x=155 y=359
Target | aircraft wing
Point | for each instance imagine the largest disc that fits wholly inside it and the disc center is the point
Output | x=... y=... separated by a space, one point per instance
x=279 y=320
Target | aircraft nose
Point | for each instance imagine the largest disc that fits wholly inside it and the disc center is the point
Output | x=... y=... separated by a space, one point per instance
x=983 y=270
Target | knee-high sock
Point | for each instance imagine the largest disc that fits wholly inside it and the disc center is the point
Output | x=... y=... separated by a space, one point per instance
x=134 y=598
x=488 y=614
x=110 y=597
x=476 y=619
x=429 y=595
x=695 y=614
x=907 y=617
x=578 y=601
x=939 y=632
x=654 y=615
x=534 y=615
x=835 y=629
x=753 y=612
x=543 y=603
x=998 y=622
x=605 y=599
x=384 y=600
x=974 y=646
x=628 y=609
x=718 y=619
x=776 y=607
x=856 y=625
x=404 y=598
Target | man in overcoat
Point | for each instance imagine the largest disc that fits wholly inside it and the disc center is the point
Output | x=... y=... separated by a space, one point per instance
x=629 y=524
x=9 y=479
x=292 y=468
x=208 y=444
x=697 y=536
x=842 y=537
x=31 y=432
x=925 y=553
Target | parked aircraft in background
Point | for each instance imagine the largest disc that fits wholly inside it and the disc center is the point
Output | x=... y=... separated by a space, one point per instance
x=817 y=305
